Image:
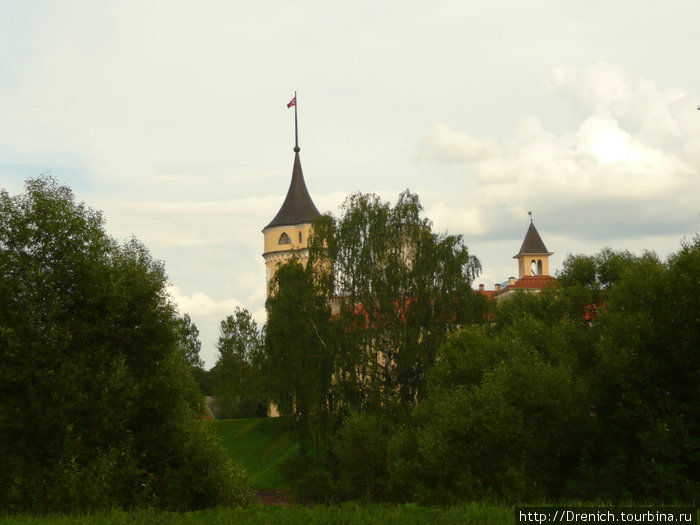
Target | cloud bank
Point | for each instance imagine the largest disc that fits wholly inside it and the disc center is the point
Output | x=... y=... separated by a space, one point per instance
x=631 y=166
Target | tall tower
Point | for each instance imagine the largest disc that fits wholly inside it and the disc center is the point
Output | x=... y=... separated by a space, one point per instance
x=288 y=233
x=533 y=257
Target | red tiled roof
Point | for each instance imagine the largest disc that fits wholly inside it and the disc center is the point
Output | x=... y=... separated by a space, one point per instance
x=530 y=282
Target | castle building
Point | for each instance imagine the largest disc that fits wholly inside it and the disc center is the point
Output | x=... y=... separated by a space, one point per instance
x=288 y=233
x=533 y=268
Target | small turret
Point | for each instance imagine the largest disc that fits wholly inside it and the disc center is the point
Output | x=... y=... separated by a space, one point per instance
x=533 y=257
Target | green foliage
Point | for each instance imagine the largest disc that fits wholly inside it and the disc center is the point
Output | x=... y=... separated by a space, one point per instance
x=360 y=446
x=298 y=352
x=98 y=407
x=348 y=513
x=397 y=289
x=504 y=421
x=190 y=345
x=550 y=402
x=586 y=277
x=237 y=375
x=588 y=389
x=400 y=288
x=312 y=479
x=648 y=390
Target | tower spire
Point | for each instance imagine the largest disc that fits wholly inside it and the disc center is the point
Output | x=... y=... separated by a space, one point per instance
x=296 y=126
x=293 y=102
x=298 y=208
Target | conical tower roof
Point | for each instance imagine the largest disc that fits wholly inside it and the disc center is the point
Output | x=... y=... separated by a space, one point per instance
x=533 y=244
x=298 y=208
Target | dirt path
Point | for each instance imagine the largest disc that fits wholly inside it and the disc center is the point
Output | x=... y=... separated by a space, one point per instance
x=274 y=497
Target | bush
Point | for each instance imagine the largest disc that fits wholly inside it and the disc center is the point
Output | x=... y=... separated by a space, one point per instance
x=360 y=447
x=312 y=479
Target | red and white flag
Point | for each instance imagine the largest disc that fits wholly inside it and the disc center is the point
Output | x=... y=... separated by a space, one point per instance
x=292 y=102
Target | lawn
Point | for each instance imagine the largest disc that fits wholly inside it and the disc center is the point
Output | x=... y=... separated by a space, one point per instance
x=260 y=445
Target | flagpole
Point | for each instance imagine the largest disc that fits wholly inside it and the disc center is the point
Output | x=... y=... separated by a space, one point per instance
x=296 y=125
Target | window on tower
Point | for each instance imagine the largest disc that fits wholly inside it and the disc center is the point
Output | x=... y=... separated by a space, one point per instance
x=299 y=237
x=284 y=239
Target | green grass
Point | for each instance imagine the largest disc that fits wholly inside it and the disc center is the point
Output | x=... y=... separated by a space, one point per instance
x=347 y=514
x=260 y=445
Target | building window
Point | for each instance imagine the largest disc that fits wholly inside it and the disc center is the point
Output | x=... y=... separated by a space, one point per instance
x=539 y=267
x=284 y=239
x=299 y=237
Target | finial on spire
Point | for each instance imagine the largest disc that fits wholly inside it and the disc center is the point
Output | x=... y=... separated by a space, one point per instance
x=293 y=102
x=530 y=214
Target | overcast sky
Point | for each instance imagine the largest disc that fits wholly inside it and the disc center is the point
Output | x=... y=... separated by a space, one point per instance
x=170 y=116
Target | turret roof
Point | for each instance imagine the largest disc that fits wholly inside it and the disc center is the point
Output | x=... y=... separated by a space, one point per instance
x=532 y=244
x=298 y=208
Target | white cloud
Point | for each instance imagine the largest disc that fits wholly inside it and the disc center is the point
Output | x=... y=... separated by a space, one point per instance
x=663 y=117
x=596 y=88
x=200 y=304
x=170 y=117
x=443 y=143
x=607 y=160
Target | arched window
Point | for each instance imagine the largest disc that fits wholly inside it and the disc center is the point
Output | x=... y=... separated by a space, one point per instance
x=284 y=239
x=539 y=267
x=299 y=237
x=533 y=267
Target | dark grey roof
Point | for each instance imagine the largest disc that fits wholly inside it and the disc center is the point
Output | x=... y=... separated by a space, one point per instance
x=298 y=208
x=533 y=243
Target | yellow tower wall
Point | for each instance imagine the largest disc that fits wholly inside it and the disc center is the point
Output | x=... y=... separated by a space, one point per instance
x=276 y=253
x=525 y=264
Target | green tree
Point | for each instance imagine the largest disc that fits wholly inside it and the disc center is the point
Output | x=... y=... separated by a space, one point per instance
x=505 y=419
x=399 y=288
x=97 y=406
x=237 y=371
x=549 y=402
x=189 y=341
x=191 y=346
x=395 y=290
x=299 y=353
x=647 y=387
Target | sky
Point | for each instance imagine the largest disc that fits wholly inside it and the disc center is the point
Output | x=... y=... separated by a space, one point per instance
x=171 y=118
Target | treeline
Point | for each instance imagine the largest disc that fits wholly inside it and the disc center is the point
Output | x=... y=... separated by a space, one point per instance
x=401 y=382
x=98 y=405
x=405 y=385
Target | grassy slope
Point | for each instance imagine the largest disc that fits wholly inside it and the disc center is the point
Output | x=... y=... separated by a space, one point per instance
x=259 y=445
